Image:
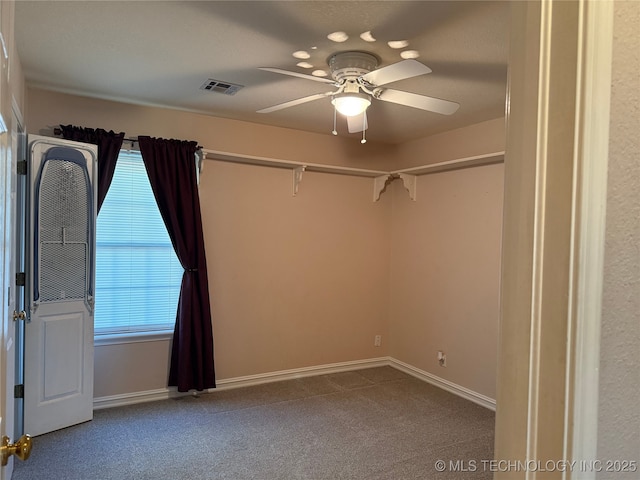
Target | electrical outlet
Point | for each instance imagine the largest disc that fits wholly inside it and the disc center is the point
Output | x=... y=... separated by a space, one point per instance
x=442 y=358
x=377 y=340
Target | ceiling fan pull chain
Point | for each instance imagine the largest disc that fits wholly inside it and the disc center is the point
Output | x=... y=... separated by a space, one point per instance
x=334 y=131
x=364 y=128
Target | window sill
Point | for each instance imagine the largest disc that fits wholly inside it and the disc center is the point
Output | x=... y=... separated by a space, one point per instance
x=119 y=338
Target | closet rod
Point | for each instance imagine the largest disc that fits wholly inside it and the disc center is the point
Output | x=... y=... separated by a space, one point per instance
x=290 y=164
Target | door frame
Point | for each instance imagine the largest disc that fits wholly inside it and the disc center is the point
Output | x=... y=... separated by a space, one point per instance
x=553 y=234
x=19 y=147
x=7 y=299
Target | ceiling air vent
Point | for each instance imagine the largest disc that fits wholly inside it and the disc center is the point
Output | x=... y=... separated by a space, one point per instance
x=221 y=87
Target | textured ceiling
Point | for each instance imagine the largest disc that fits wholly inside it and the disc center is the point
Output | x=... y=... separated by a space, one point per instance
x=160 y=53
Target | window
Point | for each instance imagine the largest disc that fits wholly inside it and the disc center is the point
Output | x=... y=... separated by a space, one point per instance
x=138 y=275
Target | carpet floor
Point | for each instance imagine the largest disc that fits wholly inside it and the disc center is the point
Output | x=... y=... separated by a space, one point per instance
x=371 y=424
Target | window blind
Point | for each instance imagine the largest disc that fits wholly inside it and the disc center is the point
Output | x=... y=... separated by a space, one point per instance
x=138 y=275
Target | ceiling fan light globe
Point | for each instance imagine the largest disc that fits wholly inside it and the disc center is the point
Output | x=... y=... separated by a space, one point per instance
x=351 y=104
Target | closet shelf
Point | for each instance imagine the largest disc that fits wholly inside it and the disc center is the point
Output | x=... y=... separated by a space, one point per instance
x=409 y=175
x=380 y=177
x=274 y=162
x=467 y=162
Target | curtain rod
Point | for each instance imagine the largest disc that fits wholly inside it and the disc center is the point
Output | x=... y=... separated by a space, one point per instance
x=58 y=132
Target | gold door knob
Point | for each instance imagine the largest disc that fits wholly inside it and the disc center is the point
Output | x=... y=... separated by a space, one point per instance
x=21 y=449
x=19 y=315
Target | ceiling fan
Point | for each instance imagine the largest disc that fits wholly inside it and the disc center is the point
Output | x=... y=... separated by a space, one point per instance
x=357 y=80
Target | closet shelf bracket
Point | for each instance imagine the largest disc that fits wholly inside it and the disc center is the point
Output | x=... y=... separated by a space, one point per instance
x=379 y=184
x=410 y=183
x=297 y=178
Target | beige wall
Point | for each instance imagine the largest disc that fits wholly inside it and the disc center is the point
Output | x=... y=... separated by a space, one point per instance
x=295 y=281
x=445 y=275
x=619 y=415
x=481 y=138
x=304 y=281
x=130 y=367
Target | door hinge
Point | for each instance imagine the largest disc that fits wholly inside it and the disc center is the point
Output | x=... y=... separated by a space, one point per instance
x=21 y=167
x=18 y=391
x=21 y=279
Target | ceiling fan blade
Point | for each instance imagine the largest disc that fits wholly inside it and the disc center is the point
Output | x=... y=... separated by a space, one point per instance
x=299 y=75
x=396 y=71
x=444 y=107
x=293 y=103
x=357 y=123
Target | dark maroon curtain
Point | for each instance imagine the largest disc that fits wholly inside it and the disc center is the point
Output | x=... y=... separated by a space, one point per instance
x=171 y=168
x=109 y=145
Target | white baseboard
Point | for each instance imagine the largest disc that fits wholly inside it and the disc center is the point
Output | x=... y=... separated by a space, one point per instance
x=135 y=397
x=300 y=373
x=238 y=382
x=246 y=381
x=454 y=388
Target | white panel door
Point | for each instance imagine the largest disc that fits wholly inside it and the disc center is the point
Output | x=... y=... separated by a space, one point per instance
x=58 y=378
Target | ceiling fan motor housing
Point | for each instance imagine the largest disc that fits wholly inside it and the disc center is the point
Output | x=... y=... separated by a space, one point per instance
x=350 y=65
